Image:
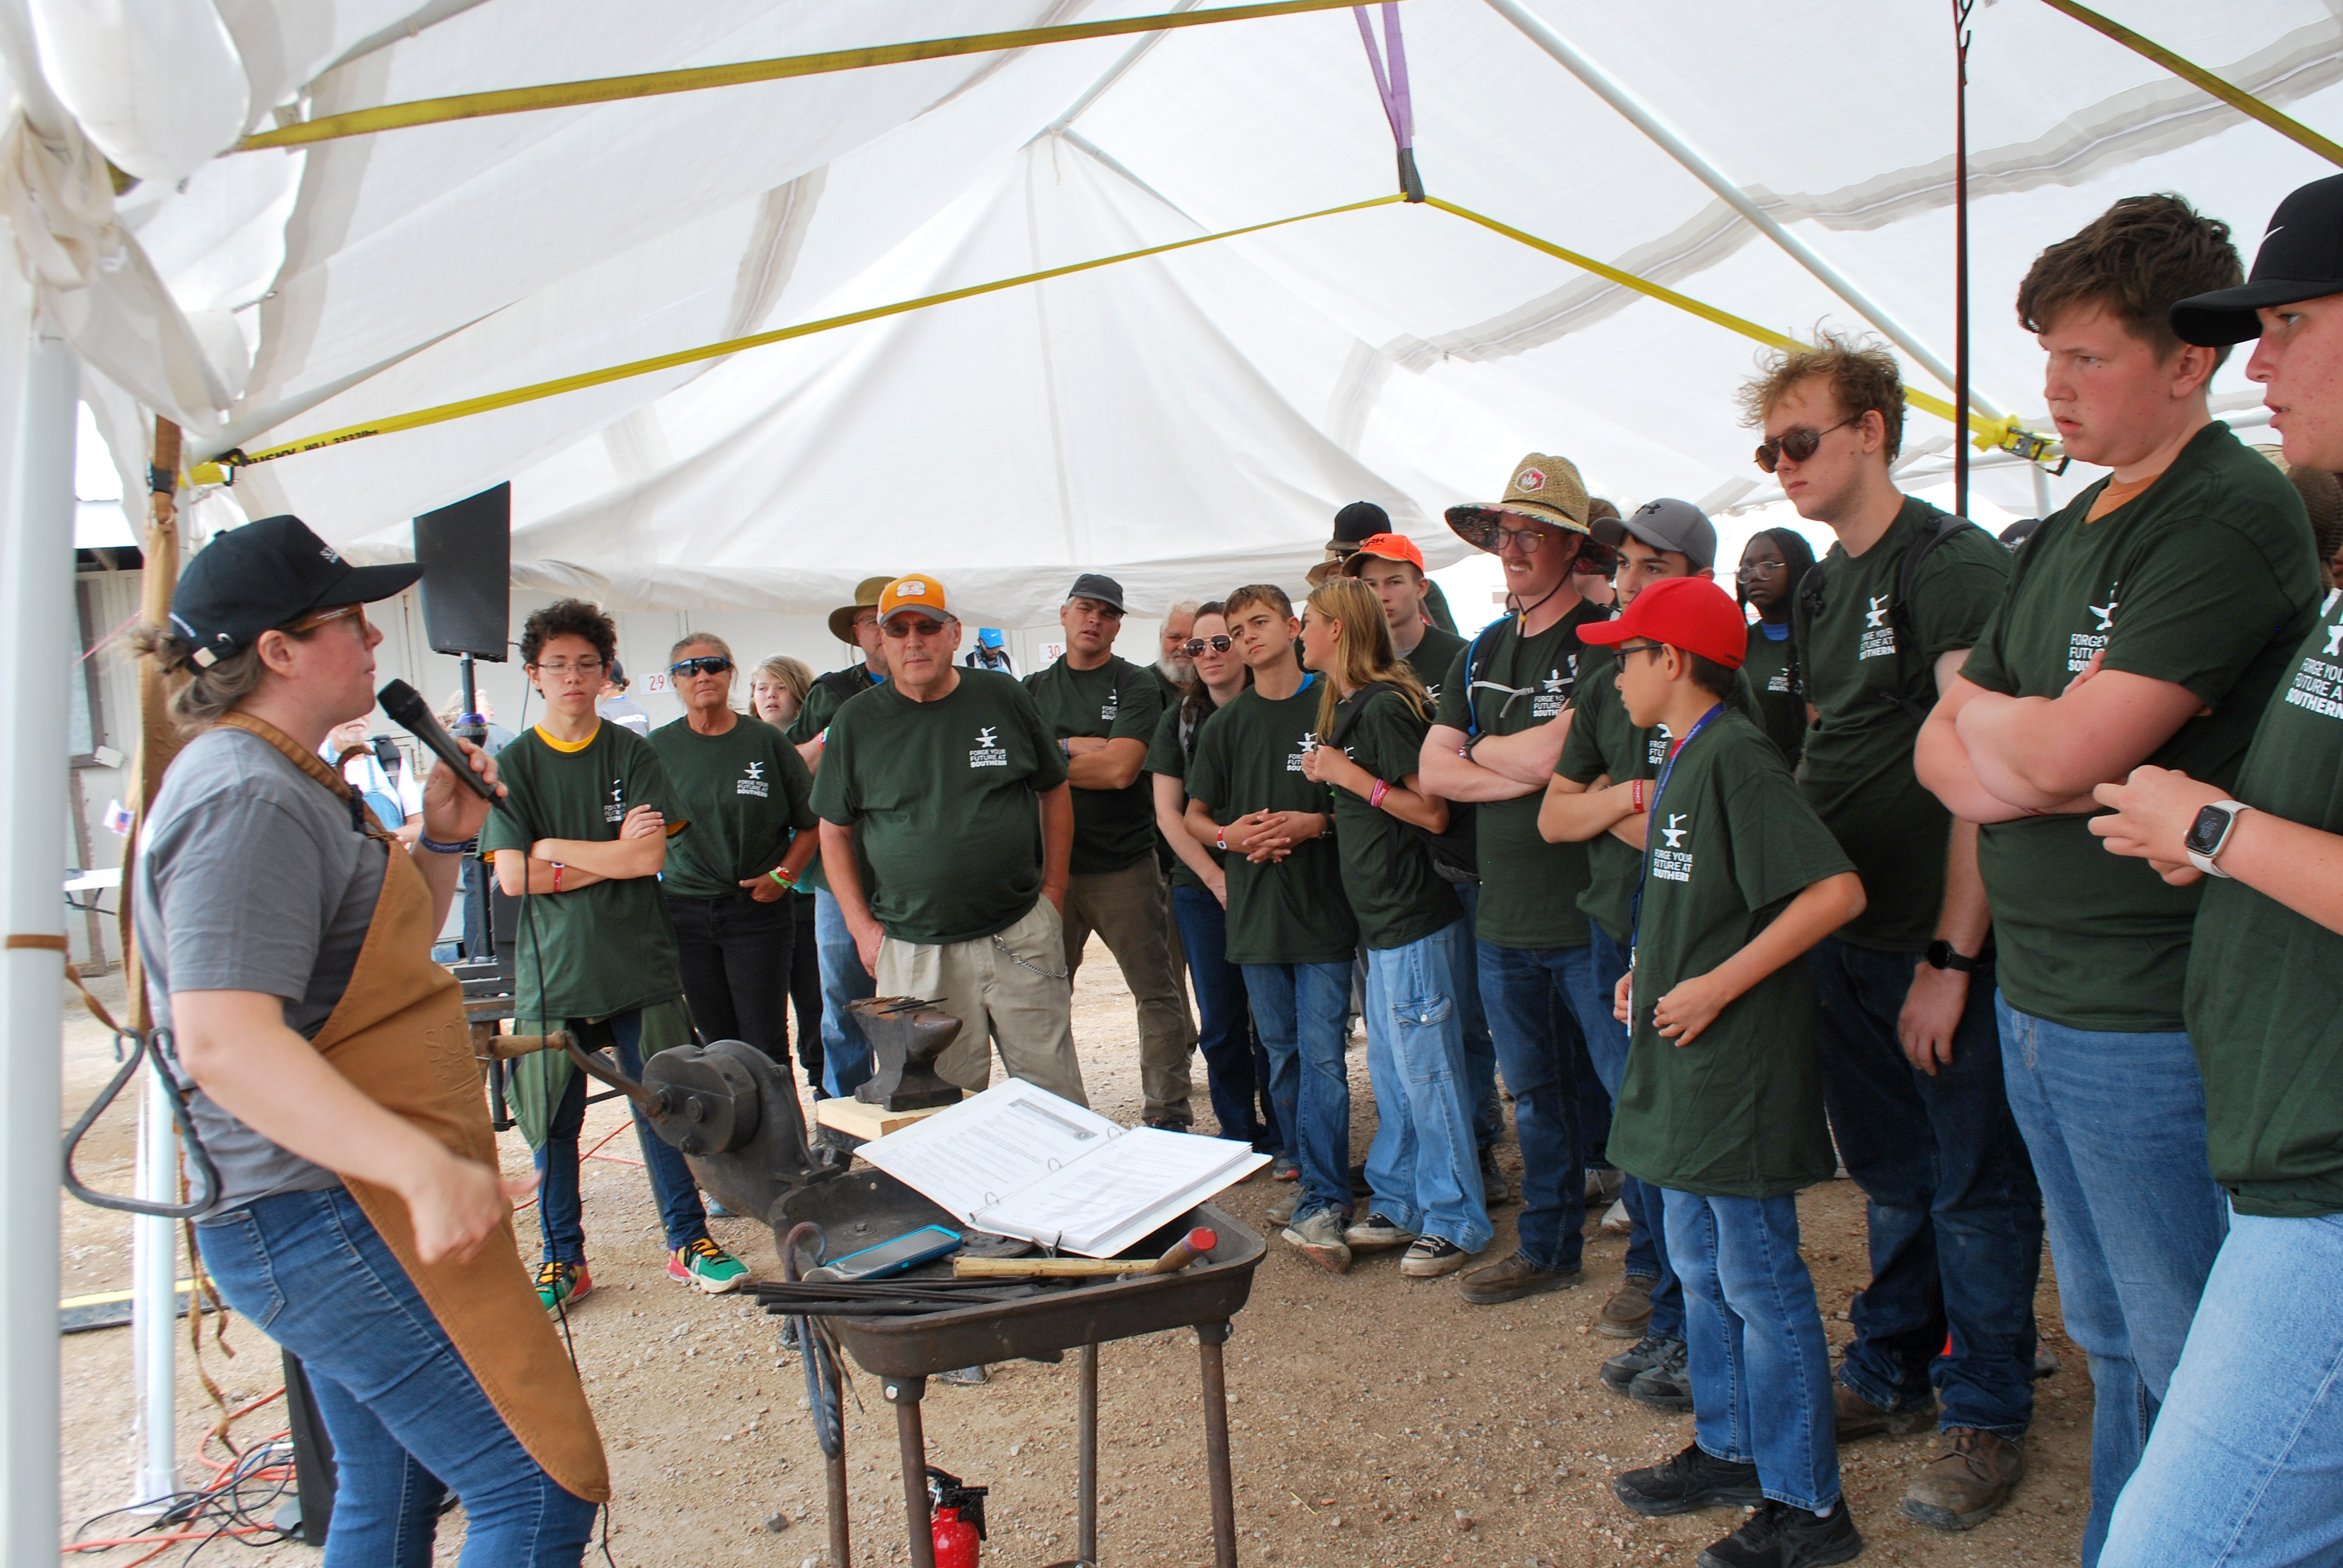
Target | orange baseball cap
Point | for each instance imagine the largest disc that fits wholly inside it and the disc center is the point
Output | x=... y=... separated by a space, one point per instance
x=918 y=592
x=1390 y=546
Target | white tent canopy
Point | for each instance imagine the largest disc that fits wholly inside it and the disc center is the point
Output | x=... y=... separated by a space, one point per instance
x=1190 y=420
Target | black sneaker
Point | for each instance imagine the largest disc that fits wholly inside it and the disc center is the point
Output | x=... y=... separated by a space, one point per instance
x=1650 y=1351
x=1778 y=1536
x=1666 y=1383
x=1429 y=1257
x=1376 y=1234
x=1693 y=1479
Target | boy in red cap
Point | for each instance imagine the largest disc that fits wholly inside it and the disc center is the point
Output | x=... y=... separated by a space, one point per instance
x=1721 y=1106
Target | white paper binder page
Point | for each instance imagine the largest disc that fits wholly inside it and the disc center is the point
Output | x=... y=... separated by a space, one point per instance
x=989 y=1146
x=1105 y=1202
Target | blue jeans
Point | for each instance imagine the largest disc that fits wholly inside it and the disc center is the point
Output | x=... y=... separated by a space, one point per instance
x=408 y=1420
x=1761 y=1381
x=1955 y=1218
x=1423 y=1166
x=845 y=1054
x=1518 y=987
x=1223 y=1027
x=561 y=1213
x=1480 y=1050
x=1606 y=1043
x=2246 y=1460
x=1299 y=1009
x=2116 y=1123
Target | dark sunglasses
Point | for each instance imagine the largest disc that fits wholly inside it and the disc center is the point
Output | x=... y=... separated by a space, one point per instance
x=1196 y=645
x=1798 y=445
x=1628 y=647
x=705 y=664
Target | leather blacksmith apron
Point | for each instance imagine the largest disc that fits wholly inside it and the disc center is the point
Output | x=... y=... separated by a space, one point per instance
x=399 y=1034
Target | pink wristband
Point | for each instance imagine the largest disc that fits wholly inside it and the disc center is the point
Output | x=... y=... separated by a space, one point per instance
x=1375 y=796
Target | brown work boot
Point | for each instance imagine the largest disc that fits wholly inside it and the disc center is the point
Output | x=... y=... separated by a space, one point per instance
x=1961 y=1490
x=1627 y=1311
x=1859 y=1417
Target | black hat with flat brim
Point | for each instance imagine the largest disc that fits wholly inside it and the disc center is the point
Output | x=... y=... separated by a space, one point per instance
x=269 y=574
x=2302 y=257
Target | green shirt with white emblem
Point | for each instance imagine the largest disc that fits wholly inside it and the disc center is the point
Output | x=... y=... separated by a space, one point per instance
x=1248 y=759
x=745 y=793
x=1113 y=828
x=1387 y=871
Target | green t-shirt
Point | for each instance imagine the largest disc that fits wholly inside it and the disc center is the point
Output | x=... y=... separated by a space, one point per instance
x=2205 y=579
x=1248 y=758
x=941 y=797
x=1529 y=887
x=2265 y=995
x=1784 y=713
x=1113 y=828
x=1436 y=605
x=1738 y=1112
x=1430 y=660
x=591 y=952
x=1167 y=756
x=1386 y=868
x=745 y=793
x=1857 y=768
x=814 y=714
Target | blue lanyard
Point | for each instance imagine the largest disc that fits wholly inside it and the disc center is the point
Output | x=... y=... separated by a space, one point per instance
x=1659 y=793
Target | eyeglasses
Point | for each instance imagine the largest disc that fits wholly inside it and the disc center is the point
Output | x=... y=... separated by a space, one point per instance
x=704 y=664
x=1798 y=445
x=1196 y=645
x=1526 y=539
x=903 y=626
x=318 y=617
x=561 y=669
x=1763 y=568
x=1626 y=647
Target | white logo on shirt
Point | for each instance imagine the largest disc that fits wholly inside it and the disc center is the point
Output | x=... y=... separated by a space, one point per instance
x=2106 y=614
x=1293 y=759
x=2334 y=639
x=1671 y=862
x=1674 y=834
x=1877 y=615
x=1553 y=692
x=988 y=752
x=614 y=809
x=2318 y=685
x=2081 y=645
x=1879 y=639
x=755 y=783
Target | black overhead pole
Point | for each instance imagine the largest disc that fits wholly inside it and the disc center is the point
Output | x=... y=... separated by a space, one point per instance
x=1961 y=256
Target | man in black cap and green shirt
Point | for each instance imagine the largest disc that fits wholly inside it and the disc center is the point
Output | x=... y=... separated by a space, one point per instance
x=1903 y=995
x=1494 y=740
x=845 y=1053
x=1101 y=711
x=2242 y=1463
x=1354 y=524
x=2151 y=619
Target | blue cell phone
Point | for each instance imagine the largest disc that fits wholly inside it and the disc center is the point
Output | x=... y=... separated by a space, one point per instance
x=905 y=1252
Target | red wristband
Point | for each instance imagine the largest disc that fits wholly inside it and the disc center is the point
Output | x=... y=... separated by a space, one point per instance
x=1635 y=796
x=1375 y=796
x=556 y=876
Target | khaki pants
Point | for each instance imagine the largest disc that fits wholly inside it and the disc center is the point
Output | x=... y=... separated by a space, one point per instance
x=1131 y=910
x=1010 y=990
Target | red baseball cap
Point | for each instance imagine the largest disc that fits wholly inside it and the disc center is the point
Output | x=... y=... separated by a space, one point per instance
x=1690 y=613
x=1390 y=546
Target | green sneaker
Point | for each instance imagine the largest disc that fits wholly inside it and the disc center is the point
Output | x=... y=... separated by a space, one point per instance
x=705 y=1266
x=560 y=1286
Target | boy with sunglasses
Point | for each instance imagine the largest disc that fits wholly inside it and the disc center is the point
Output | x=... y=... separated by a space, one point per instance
x=1903 y=995
x=1494 y=740
x=1721 y=1105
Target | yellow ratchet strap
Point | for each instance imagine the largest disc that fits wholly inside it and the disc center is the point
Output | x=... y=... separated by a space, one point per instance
x=2236 y=97
x=653 y=84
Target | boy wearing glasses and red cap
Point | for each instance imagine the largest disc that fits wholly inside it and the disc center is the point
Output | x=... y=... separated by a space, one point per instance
x=1721 y=1106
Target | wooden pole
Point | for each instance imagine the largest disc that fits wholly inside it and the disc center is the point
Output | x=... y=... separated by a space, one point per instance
x=158 y=741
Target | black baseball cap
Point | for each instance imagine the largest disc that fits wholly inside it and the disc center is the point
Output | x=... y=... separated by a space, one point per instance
x=1357 y=523
x=267 y=574
x=1093 y=585
x=2302 y=257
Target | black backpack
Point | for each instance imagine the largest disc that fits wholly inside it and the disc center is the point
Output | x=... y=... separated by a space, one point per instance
x=1455 y=853
x=1899 y=611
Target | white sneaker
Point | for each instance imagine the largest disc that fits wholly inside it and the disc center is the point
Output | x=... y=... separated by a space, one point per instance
x=1616 y=1221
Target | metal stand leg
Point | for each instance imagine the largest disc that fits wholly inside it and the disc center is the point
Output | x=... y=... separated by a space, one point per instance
x=841 y=1542
x=904 y=1395
x=1086 y=1486
x=1210 y=1338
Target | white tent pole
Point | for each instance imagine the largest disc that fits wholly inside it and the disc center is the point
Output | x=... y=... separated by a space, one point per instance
x=153 y=1287
x=36 y=570
x=1644 y=119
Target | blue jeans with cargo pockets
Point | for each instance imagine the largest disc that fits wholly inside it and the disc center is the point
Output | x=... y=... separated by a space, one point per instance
x=1525 y=991
x=1423 y=1166
x=409 y=1421
x=1298 y=1010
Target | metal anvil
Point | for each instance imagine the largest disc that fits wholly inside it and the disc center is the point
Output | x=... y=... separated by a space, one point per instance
x=907 y=1033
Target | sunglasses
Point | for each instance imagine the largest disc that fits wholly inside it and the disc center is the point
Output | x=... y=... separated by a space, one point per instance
x=1196 y=645
x=318 y=617
x=1798 y=445
x=1628 y=647
x=904 y=626
x=703 y=664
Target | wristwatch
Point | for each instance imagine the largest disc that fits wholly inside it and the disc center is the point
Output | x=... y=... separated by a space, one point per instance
x=2210 y=835
x=1942 y=956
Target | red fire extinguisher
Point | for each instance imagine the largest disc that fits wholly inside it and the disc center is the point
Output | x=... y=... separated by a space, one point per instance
x=958 y=1521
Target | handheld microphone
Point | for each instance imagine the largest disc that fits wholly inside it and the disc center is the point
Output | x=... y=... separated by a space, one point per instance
x=405 y=705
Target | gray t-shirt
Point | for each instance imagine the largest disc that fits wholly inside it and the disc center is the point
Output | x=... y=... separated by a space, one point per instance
x=251 y=877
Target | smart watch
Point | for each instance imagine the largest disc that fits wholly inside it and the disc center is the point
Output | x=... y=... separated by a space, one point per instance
x=2210 y=835
x=1941 y=955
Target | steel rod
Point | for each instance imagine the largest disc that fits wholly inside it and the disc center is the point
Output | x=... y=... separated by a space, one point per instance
x=1210 y=1338
x=1086 y=1465
x=910 y=1437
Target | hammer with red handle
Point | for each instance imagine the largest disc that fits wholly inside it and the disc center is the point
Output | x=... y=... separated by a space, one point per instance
x=1195 y=1245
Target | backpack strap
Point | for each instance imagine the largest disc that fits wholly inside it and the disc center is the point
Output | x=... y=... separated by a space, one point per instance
x=1356 y=709
x=1899 y=611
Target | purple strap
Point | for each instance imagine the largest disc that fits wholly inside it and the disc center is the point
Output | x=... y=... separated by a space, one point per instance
x=1397 y=107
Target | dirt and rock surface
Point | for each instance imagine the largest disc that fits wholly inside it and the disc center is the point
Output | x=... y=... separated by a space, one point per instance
x=1373 y=1419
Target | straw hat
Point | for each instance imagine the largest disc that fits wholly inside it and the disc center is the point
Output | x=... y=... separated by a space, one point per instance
x=866 y=596
x=1544 y=489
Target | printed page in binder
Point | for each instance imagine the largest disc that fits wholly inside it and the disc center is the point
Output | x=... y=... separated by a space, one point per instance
x=989 y=1146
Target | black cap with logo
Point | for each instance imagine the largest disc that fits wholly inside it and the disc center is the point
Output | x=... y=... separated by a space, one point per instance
x=2302 y=257
x=268 y=574
x=1095 y=585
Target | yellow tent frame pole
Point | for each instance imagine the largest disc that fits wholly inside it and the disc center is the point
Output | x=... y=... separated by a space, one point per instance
x=653 y=83
x=2236 y=97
